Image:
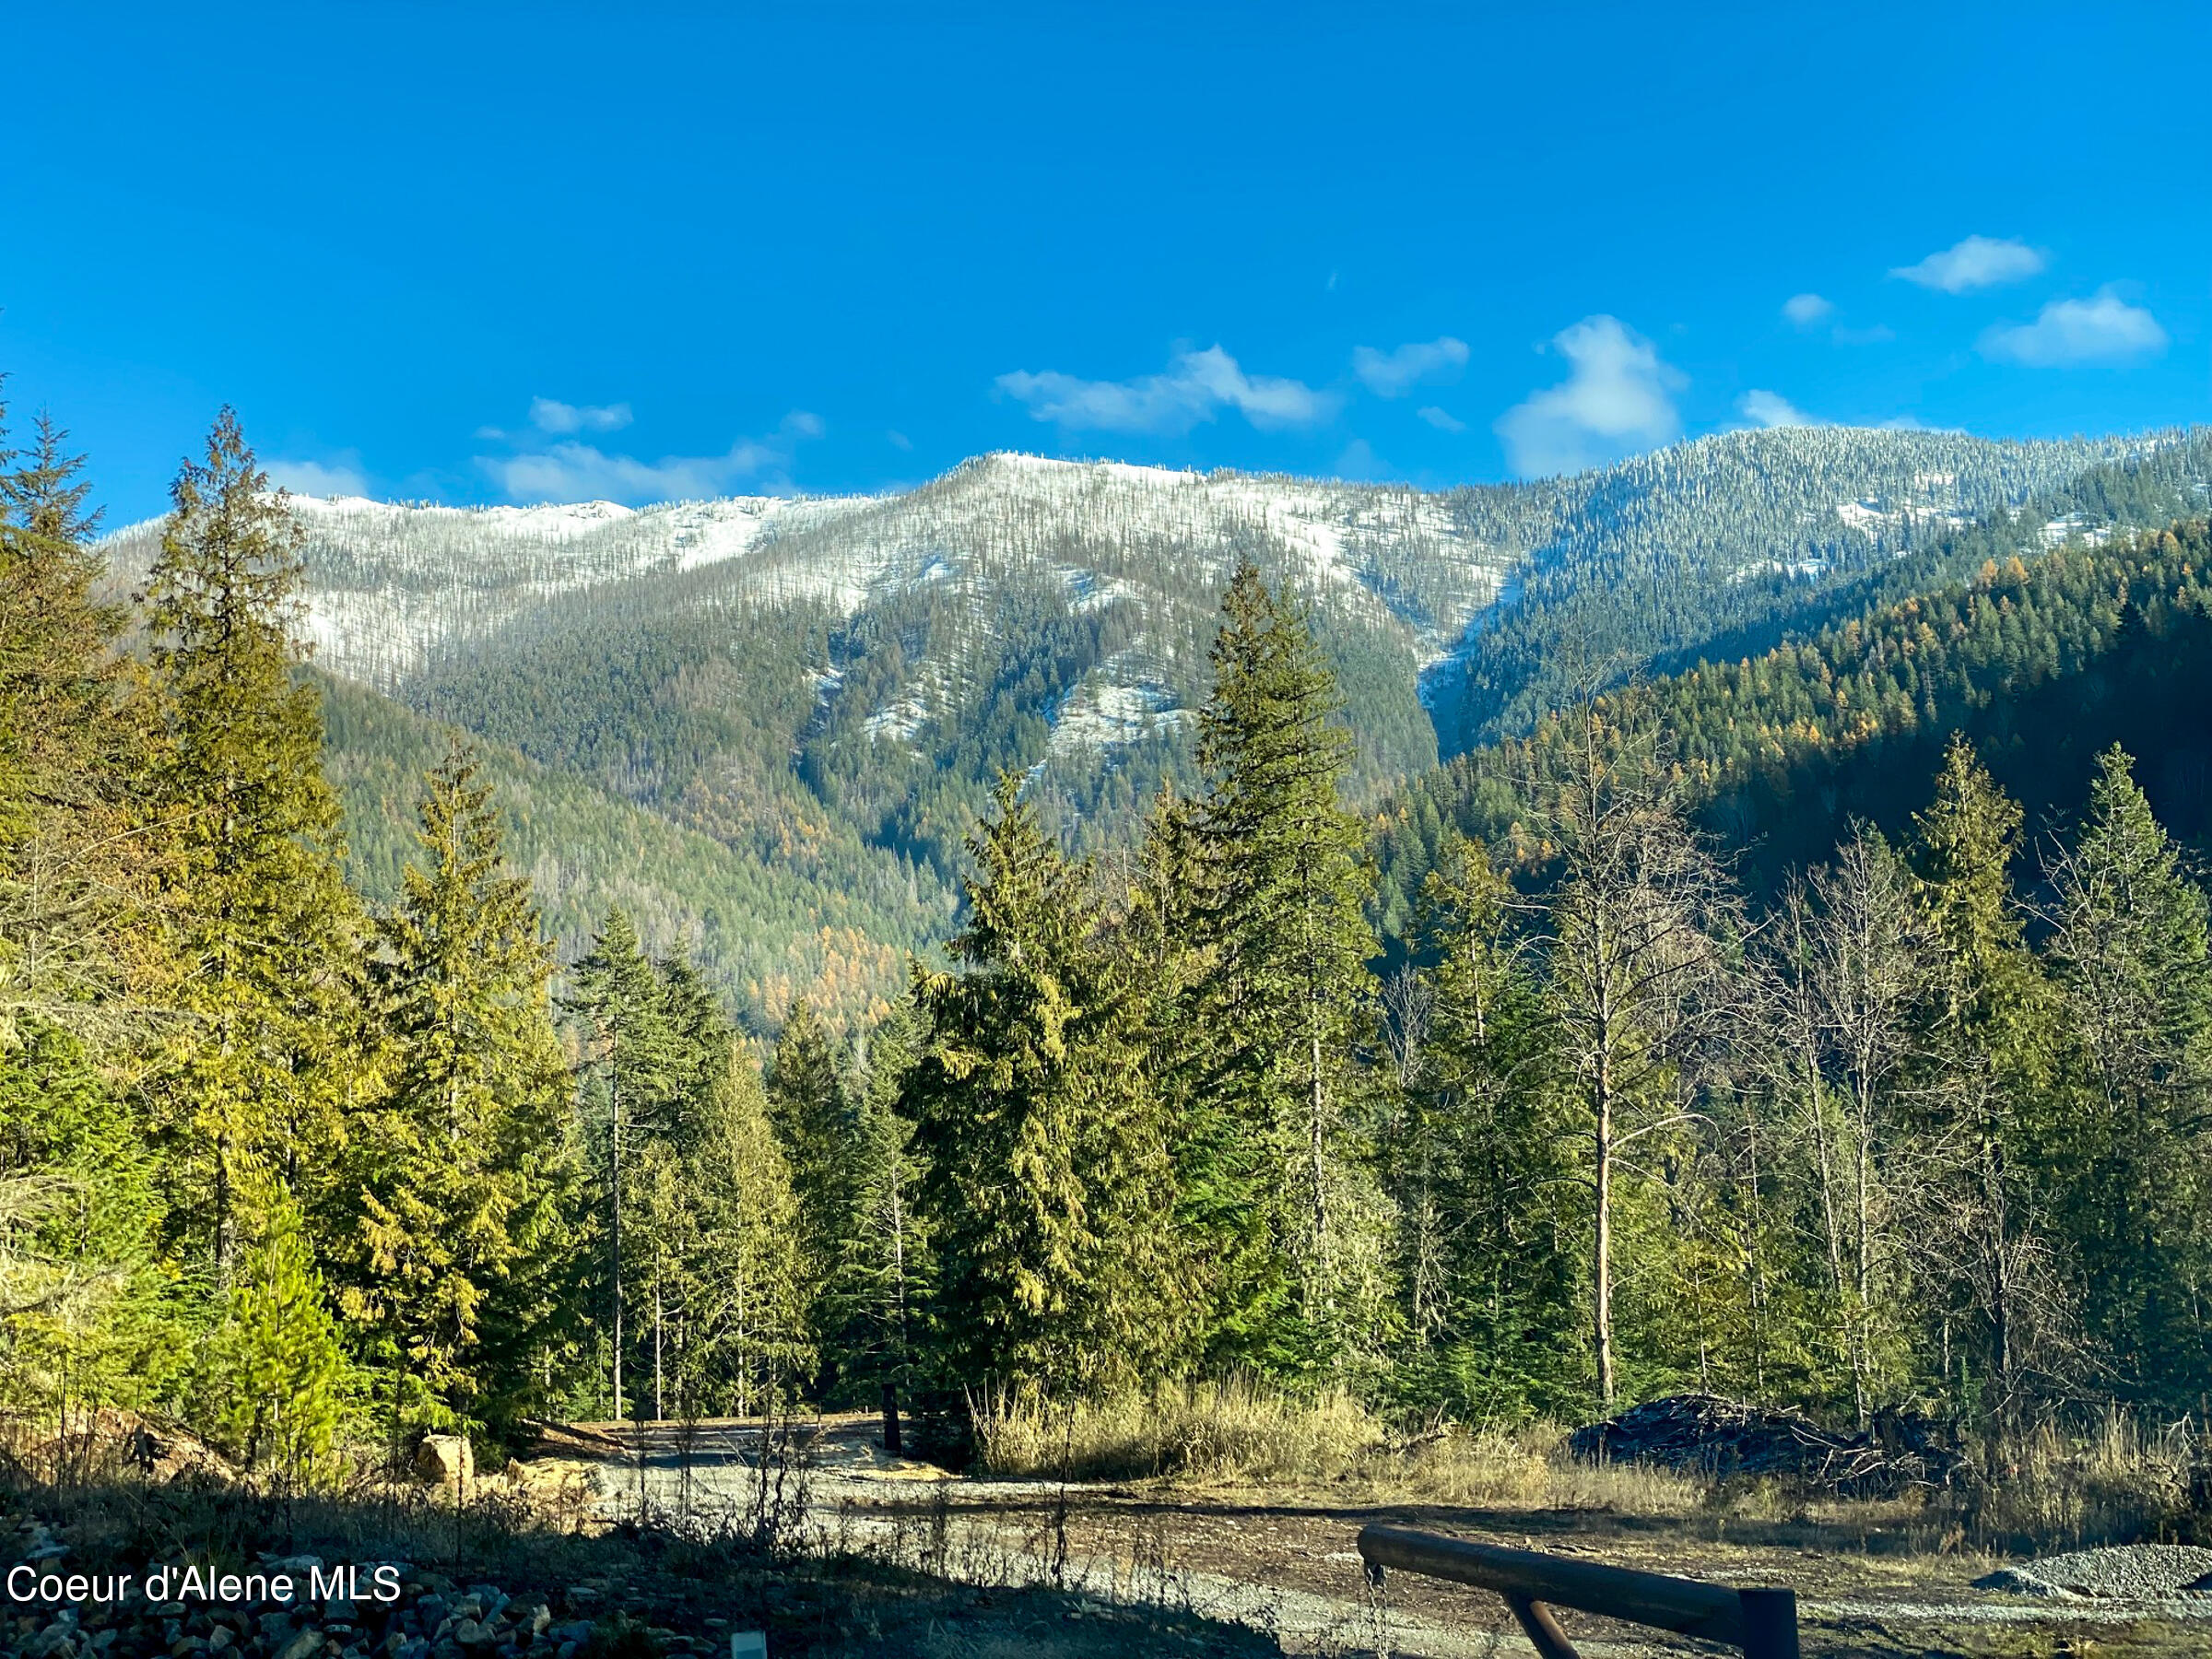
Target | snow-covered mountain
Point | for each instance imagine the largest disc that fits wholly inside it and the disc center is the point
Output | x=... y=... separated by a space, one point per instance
x=398 y=591
x=824 y=688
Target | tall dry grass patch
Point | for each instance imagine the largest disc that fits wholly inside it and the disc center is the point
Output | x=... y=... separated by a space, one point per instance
x=1205 y=1431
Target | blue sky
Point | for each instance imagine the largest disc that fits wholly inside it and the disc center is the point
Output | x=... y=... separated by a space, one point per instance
x=482 y=253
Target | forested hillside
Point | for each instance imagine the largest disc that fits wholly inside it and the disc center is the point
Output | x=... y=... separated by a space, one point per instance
x=2042 y=654
x=831 y=688
x=772 y=919
x=313 y=1155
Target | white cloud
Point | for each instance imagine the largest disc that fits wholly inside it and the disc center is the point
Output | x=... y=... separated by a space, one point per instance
x=1442 y=420
x=897 y=440
x=1395 y=373
x=340 y=475
x=1196 y=386
x=1614 y=401
x=573 y=471
x=1359 y=461
x=1978 y=261
x=1773 y=409
x=550 y=415
x=2103 y=329
x=1805 y=310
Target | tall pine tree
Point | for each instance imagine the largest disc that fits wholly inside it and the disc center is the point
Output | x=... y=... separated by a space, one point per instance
x=459 y=1178
x=265 y=932
x=1275 y=1161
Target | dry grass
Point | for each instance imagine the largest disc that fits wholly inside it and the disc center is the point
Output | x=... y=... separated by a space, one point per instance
x=2124 y=1482
x=2121 y=1483
x=1205 y=1431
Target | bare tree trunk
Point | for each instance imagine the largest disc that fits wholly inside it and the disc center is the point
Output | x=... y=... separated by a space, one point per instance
x=1602 y=1244
x=615 y=1097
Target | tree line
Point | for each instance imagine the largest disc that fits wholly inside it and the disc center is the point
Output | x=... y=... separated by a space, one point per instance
x=1926 y=1129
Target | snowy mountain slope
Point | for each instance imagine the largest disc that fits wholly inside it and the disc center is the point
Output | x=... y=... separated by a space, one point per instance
x=786 y=670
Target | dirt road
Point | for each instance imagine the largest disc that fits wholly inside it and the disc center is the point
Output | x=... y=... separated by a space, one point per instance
x=1284 y=1564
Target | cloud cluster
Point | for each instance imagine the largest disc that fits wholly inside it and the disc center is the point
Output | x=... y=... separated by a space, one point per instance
x=339 y=476
x=1773 y=409
x=550 y=415
x=1977 y=261
x=575 y=471
x=1395 y=373
x=1805 y=310
x=1616 y=399
x=2105 y=328
x=1197 y=387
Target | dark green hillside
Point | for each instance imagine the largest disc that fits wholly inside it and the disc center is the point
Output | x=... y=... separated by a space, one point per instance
x=2040 y=661
x=808 y=738
x=835 y=924
x=1717 y=549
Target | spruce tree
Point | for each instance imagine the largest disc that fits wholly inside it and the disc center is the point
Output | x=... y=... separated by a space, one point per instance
x=1274 y=1157
x=807 y=1100
x=1991 y=1048
x=1047 y=1192
x=635 y=1067
x=279 y=1385
x=265 y=929
x=457 y=1174
x=1476 y=1156
x=2128 y=945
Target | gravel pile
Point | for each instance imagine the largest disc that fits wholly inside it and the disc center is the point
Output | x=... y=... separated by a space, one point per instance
x=2126 y=1573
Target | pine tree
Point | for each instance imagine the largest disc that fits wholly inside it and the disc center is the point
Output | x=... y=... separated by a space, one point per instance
x=457 y=1173
x=1275 y=1158
x=265 y=929
x=744 y=1336
x=636 y=1068
x=279 y=1384
x=1476 y=1157
x=1985 y=1222
x=1047 y=1192
x=2129 y=949
x=808 y=1106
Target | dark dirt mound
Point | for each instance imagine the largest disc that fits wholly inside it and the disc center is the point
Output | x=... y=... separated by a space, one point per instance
x=1705 y=1434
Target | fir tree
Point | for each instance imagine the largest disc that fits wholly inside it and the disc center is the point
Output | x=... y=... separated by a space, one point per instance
x=457 y=1174
x=2129 y=949
x=1047 y=1191
x=807 y=1103
x=280 y=1383
x=265 y=929
x=1275 y=1158
x=635 y=1069
x=1991 y=1046
x=746 y=1337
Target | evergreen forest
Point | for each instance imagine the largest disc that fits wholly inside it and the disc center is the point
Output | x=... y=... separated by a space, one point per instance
x=1828 y=1027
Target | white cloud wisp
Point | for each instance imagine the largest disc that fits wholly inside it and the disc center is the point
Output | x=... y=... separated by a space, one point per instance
x=1975 y=261
x=550 y=415
x=1196 y=386
x=1773 y=409
x=1616 y=399
x=575 y=471
x=1805 y=310
x=2102 y=329
x=340 y=475
x=1395 y=373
